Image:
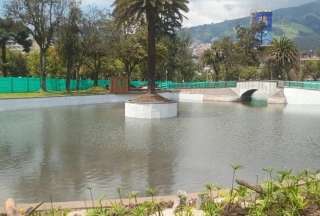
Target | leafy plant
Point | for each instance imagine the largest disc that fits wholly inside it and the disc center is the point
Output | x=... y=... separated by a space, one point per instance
x=151 y=192
x=235 y=168
x=134 y=195
x=119 y=191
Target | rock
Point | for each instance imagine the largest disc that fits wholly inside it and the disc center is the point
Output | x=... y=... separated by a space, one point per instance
x=10 y=208
x=170 y=212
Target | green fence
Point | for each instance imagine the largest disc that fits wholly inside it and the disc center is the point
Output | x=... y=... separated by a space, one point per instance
x=195 y=85
x=185 y=85
x=30 y=84
x=309 y=85
x=138 y=84
x=11 y=84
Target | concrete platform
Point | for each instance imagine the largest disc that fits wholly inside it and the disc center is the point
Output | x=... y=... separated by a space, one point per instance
x=34 y=103
x=151 y=110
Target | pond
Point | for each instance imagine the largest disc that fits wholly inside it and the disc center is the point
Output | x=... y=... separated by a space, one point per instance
x=58 y=153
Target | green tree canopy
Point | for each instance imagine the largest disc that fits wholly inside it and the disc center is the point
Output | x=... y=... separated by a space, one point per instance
x=285 y=56
x=69 y=41
x=163 y=15
x=16 y=32
x=42 y=19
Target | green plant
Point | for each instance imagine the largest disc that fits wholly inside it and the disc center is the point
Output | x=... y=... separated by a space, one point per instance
x=134 y=195
x=98 y=212
x=139 y=211
x=118 y=210
x=283 y=196
x=119 y=191
x=153 y=208
x=91 y=196
x=210 y=188
x=211 y=208
x=235 y=168
x=208 y=203
x=242 y=193
x=184 y=211
x=151 y=192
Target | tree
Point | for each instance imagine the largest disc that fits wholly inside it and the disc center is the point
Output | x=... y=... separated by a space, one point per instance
x=69 y=44
x=12 y=31
x=213 y=58
x=229 y=54
x=97 y=39
x=42 y=18
x=311 y=70
x=17 y=63
x=249 y=42
x=130 y=51
x=285 y=56
x=54 y=63
x=161 y=15
x=180 y=64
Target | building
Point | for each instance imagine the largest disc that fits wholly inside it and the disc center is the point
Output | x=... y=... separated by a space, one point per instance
x=265 y=36
x=13 y=46
x=199 y=49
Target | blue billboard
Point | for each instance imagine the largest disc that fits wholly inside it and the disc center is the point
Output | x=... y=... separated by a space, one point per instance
x=265 y=37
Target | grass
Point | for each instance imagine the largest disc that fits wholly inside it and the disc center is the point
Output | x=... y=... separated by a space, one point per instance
x=42 y=94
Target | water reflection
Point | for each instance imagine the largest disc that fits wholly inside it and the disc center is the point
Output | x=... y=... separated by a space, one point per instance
x=60 y=152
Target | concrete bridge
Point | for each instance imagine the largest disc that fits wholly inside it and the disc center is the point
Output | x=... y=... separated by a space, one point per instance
x=264 y=90
x=269 y=91
x=274 y=92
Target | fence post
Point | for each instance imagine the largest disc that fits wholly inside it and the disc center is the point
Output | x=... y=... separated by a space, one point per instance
x=28 y=83
x=11 y=83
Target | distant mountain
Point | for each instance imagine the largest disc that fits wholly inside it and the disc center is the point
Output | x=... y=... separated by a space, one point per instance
x=301 y=24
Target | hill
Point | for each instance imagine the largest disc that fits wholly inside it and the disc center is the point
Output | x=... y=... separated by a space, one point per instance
x=301 y=24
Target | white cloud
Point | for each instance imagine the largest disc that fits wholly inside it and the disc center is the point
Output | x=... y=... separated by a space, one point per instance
x=213 y=11
x=102 y=3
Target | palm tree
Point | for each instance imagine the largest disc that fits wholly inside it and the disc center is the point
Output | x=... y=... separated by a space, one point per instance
x=211 y=57
x=164 y=14
x=285 y=56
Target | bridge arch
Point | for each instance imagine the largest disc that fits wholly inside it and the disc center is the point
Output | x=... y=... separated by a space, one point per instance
x=247 y=95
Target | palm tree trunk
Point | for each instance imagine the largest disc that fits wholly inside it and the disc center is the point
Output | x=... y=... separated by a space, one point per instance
x=151 y=48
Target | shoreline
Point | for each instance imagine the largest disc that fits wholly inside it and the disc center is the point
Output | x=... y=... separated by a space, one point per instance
x=88 y=204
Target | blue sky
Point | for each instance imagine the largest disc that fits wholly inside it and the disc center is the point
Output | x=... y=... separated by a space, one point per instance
x=212 y=11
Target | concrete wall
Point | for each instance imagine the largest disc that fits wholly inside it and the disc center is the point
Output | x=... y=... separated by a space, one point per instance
x=31 y=103
x=201 y=95
x=266 y=88
x=291 y=96
x=184 y=97
x=151 y=111
x=302 y=96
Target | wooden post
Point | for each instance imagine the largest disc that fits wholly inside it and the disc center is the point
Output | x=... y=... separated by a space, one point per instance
x=119 y=85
